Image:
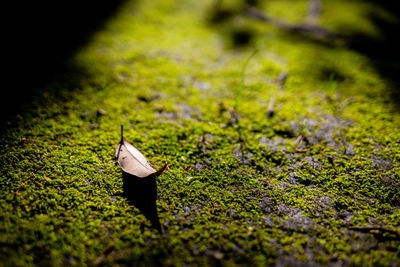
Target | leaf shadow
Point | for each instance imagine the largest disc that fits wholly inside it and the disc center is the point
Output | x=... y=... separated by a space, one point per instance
x=142 y=194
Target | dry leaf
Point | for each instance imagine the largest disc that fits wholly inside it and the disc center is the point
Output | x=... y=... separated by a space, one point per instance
x=132 y=161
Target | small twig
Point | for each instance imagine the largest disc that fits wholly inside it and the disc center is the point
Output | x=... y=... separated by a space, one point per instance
x=106 y=251
x=243 y=76
x=298 y=140
x=270 y=110
x=257 y=14
x=234 y=117
x=282 y=79
x=308 y=29
x=374 y=230
x=122 y=140
x=314 y=11
x=347 y=101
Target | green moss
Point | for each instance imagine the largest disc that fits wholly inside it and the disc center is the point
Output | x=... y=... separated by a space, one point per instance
x=239 y=191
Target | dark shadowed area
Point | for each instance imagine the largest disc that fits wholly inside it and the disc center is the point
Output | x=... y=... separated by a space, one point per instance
x=384 y=50
x=142 y=193
x=41 y=37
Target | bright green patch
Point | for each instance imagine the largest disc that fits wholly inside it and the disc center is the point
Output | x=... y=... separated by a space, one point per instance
x=242 y=188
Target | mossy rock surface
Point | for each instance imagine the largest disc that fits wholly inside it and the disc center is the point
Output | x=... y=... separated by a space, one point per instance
x=242 y=188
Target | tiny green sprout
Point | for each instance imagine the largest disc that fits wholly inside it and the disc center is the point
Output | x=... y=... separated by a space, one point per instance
x=243 y=76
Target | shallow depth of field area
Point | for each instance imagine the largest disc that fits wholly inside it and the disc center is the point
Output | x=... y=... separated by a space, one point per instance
x=283 y=144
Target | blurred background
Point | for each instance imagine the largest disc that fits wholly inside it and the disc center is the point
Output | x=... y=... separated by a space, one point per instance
x=41 y=38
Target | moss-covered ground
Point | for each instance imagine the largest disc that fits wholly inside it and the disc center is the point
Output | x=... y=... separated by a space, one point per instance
x=242 y=188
